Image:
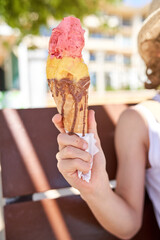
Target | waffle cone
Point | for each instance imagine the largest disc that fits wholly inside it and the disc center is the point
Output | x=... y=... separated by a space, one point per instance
x=74 y=113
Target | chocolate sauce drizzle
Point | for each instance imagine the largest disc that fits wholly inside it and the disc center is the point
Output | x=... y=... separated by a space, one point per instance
x=77 y=90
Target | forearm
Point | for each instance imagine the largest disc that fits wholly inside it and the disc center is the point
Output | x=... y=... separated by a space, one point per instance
x=121 y=212
x=113 y=213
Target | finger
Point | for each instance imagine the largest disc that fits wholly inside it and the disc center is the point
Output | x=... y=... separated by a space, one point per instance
x=69 y=166
x=57 y=120
x=92 y=125
x=72 y=152
x=72 y=140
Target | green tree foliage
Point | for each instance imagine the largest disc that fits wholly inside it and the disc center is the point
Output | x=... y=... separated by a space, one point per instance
x=29 y=15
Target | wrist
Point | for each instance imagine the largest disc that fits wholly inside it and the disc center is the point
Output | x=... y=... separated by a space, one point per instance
x=96 y=192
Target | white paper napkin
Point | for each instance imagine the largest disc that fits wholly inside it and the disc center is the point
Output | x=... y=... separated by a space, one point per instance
x=92 y=149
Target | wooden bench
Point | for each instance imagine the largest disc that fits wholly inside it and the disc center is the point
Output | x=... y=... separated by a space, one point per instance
x=32 y=211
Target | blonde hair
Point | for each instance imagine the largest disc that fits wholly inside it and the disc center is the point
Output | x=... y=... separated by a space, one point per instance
x=153 y=65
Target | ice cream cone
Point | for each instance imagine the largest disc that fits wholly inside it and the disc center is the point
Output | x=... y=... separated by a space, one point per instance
x=74 y=113
x=68 y=76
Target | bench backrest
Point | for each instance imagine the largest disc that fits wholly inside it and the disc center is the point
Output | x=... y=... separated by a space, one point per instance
x=28 y=145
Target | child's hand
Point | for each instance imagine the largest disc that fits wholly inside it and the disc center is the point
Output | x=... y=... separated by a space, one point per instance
x=72 y=157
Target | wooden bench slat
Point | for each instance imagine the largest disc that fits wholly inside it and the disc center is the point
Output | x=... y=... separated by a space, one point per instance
x=39 y=127
x=42 y=133
x=28 y=221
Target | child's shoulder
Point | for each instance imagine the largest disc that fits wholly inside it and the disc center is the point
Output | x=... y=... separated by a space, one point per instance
x=132 y=123
x=154 y=107
x=131 y=115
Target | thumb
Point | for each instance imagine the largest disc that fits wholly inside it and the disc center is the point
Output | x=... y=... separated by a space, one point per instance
x=92 y=125
x=57 y=120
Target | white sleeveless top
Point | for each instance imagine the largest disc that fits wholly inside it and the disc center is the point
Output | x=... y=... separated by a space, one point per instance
x=153 y=173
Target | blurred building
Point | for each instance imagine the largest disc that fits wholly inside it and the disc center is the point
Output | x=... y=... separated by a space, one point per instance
x=110 y=53
x=112 y=44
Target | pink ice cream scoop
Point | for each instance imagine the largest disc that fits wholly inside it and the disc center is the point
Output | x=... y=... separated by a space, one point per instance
x=67 y=39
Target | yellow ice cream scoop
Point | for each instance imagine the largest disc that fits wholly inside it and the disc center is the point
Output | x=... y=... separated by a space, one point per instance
x=75 y=68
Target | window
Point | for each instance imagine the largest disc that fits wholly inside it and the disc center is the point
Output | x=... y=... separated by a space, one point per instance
x=127 y=60
x=10 y=74
x=102 y=35
x=92 y=56
x=15 y=73
x=109 y=36
x=126 y=41
x=93 y=80
x=96 y=35
x=110 y=57
x=127 y=22
x=108 y=85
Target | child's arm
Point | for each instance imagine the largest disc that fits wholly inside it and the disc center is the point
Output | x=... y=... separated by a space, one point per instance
x=119 y=212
